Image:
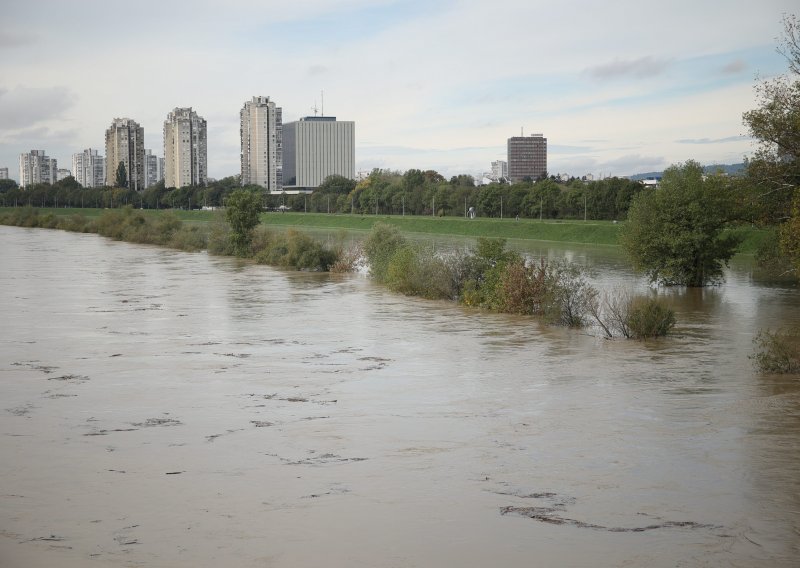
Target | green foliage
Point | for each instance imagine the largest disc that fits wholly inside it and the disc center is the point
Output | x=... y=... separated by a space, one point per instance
x=418 y=272
x=242 y=212
x=293 y=249
x=618 y=312
x=778 y=351
x=380 y=246
x=219 y=236
x=676 y=233
x=122 y=176
x=649 y=318
x=773 y=194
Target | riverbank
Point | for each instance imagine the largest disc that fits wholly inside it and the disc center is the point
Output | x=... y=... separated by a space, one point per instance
x=566 y=231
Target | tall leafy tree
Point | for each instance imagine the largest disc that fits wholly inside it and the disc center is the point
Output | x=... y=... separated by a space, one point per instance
x=775 y=172
x=675 y=233
x=122 y=175
x=242 y=211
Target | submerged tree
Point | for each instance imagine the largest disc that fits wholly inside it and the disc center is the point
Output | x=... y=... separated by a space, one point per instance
x=242 y=211
x=675 y=233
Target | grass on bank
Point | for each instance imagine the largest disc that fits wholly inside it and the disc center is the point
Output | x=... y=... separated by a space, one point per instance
x=567 y=231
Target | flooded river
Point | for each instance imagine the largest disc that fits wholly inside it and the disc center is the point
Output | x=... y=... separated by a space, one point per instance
x=165 y=409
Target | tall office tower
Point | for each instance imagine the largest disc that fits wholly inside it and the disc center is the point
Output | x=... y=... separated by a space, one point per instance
x=89 y=168
x=35 y=167
x=261 y=142
x=3 y=173
x=154 y=168
x=185 y=149
x=527 y=157
x=499 y=170
x=316 y=147
x=125 y=143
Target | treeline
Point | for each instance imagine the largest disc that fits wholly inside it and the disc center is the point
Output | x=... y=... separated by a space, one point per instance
x=383 y=192
x=417 y=192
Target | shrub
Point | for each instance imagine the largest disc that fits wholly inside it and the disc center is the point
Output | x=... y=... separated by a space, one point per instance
x=649 y=318
x=419 y=272
x=297 y=250
x=778 y=351
x=219 y=242
x=190 y=239
x=572 y=294
x=75 y=223
x=380 y=246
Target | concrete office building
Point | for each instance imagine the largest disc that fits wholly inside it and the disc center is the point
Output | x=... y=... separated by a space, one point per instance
x=262 y=144
x=153 y=168
x=527 y=157
x=89 y=168
x=125 y=143
x=63 y=173
x=35 y=167
x=185 y=149
x=316 y=147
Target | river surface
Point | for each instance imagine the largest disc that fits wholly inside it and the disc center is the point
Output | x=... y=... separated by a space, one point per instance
x=166 y=409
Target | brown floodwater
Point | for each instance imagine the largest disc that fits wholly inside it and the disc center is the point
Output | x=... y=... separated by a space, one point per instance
x=165 y=409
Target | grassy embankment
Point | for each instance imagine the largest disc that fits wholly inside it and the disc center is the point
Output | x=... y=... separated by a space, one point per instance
x=568 y=231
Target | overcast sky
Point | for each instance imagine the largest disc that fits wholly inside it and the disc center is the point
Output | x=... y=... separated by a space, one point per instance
x=617 y=87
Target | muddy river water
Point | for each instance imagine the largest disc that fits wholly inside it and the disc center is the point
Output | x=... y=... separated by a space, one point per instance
x=165 y=409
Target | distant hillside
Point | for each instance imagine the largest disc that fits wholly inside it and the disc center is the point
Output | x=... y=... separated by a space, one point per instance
x=730 y=169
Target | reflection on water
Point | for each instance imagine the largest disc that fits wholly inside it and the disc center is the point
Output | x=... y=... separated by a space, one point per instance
x=171 y=409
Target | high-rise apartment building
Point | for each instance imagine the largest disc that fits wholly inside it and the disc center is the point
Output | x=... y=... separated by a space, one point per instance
x=35 y=167
x=154 y=168
x=261 y=143
x=527 y=157
x=316 y=147
x=89 y=168
x=3 y=173
x=125 y=143
x=499 y=170
x=185 y=149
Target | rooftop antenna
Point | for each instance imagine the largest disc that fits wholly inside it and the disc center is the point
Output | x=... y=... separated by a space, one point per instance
x=314 y=108
x=322 y=98
x=522 y=131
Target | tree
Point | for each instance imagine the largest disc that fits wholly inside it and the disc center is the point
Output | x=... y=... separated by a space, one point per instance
x=774 y=174
x=675 y=233
x=242 y=213
x=122 y=175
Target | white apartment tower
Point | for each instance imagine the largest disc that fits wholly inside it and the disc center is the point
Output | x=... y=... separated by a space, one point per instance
x=154 y=168
x=89 y=168
x=499 y=170
x=185 y=149
x=125 y=143
x=261 y=143
x=316 y=147
x=35 y=167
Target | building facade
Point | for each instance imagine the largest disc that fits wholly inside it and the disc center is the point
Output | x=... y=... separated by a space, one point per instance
x=316 y=147
x=154 y=168
x=527 y=157
x=36 y=167
x=89 y=168
x=185 y=149
x=3 y=173
x=499 y=170
x=125 y=143
x=261 y=130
